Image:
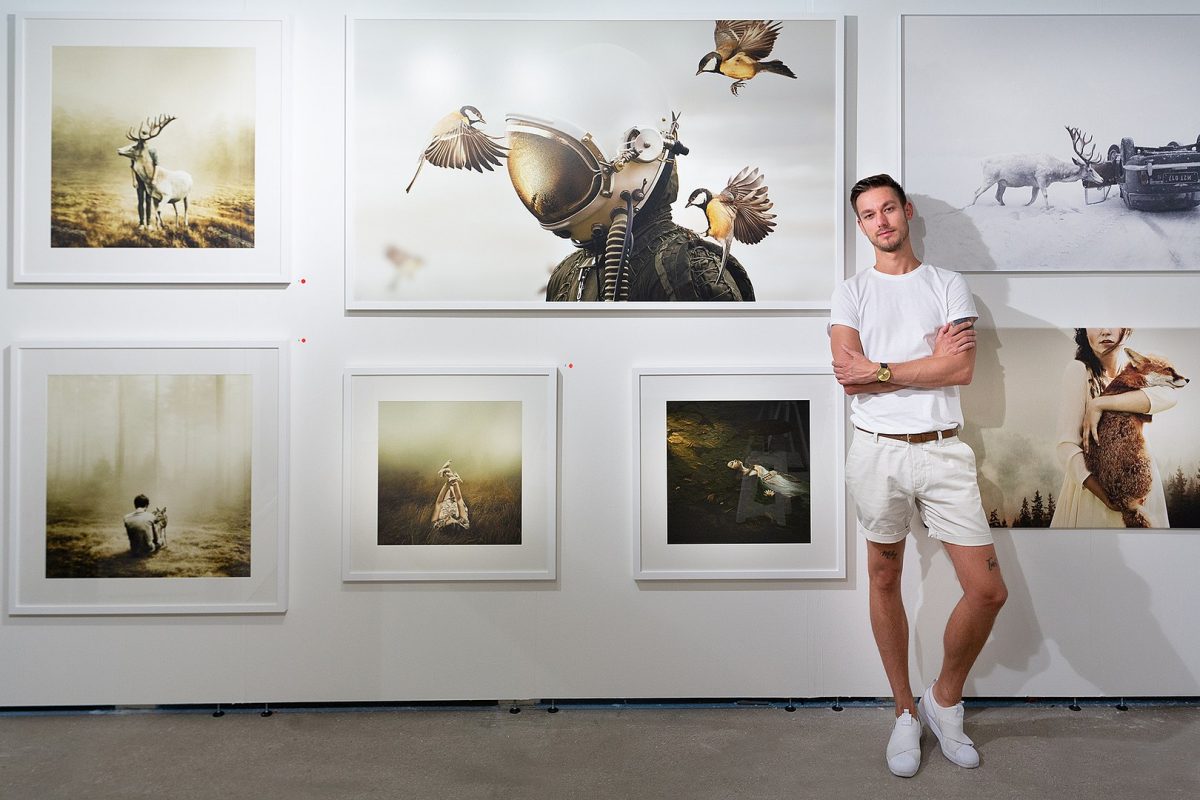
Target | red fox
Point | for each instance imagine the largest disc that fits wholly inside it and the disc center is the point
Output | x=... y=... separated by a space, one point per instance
x=1119 y=459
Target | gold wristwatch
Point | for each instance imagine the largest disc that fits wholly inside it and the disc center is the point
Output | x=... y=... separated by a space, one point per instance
x=884 y=373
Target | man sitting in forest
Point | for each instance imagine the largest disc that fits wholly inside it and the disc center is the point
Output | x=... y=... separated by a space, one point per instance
x=142 y=528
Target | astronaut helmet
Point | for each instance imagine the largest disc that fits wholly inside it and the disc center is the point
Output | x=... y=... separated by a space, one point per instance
x=600 y=137
x=564 y=179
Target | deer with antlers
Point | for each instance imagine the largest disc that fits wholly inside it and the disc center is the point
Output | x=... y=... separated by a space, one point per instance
x=161 y=185
x=1038 y=171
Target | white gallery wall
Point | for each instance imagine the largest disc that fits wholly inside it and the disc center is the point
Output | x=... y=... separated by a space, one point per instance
x=1106 y=613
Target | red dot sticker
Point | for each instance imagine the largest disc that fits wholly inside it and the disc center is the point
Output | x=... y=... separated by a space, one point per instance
x=303 y=281
x=571 y=365
x=303 y=340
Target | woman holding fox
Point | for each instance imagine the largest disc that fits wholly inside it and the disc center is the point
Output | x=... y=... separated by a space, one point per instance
x=1082 y=501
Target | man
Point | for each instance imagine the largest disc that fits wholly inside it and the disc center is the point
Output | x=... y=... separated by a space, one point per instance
x=903 y=342
x=141 y=527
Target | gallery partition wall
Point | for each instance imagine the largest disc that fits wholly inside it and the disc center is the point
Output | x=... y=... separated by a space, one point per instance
x=376 y=351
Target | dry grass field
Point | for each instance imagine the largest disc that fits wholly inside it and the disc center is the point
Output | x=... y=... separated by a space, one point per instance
x=406 y=503
x=88 y=213
x=97 y=547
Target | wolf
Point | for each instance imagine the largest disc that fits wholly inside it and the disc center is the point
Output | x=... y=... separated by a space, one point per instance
x=1119 y=459
x=160 y=528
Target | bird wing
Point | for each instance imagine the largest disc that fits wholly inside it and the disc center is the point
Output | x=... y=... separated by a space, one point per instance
x=727 y=36
x=755 y=37
x=747 y=196
x=465 y=147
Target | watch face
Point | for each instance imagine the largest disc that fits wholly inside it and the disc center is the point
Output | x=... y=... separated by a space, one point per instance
x=884 y=374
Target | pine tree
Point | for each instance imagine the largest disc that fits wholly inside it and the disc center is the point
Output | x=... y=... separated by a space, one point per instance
x=1176 y=487
x=1037 y=512
x=1177 y=500
x=1049 y=508
x=994 y=520
x=1024 y=519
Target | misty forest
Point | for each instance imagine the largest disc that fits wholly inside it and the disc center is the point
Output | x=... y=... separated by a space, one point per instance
x=204 y=151
x=738 y=472
x=184 y=441
x=1183 y=504
x=449 y=473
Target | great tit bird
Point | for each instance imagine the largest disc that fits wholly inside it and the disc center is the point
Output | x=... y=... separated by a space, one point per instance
x=738 y=212
x=456 y=143
x=742 y=44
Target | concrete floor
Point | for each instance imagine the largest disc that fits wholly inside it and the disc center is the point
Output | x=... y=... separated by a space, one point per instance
x=686 y=754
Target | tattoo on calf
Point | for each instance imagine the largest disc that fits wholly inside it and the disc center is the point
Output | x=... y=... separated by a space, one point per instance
x=992 y=563
x=889 y=554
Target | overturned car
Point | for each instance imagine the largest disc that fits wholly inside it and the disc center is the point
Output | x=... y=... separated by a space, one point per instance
x=1150 y=178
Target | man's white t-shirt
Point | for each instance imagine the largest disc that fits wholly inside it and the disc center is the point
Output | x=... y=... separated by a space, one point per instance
x=897 y=318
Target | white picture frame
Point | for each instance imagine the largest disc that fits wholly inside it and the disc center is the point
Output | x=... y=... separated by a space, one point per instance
x=59 y=416
x=436 y=414
x=73 y=108
x=655 y=557
x=965 y=124
x=481 y=249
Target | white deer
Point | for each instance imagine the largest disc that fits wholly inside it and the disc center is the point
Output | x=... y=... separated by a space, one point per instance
x=170 y=185
x=1038 y=171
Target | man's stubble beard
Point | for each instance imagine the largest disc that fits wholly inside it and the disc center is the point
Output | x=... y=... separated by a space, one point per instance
x=895 y=245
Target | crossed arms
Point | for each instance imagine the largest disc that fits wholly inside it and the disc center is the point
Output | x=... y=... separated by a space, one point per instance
x=952 y=362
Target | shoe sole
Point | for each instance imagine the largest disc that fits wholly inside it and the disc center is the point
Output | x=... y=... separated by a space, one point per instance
x=929 y=722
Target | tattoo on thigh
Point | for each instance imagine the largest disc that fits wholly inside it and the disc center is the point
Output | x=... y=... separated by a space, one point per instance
x=992 y=563
x=890 y=555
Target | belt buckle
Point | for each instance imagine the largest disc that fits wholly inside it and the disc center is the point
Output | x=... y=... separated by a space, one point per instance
x=908 y=438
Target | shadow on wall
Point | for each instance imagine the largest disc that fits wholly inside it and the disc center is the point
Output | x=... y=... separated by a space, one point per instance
x=958 y=244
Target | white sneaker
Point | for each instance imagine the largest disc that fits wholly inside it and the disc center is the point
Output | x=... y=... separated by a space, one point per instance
x=947 y=726
x=904 y=748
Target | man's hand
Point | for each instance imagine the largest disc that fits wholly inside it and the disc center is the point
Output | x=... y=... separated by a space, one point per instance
x=851 y=368
x=953 y=339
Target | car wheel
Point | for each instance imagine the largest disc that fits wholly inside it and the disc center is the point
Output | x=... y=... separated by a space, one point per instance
x=1127 y=149
x=1113 y=152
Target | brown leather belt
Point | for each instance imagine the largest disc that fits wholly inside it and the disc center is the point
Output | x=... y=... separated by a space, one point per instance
x=915 y=438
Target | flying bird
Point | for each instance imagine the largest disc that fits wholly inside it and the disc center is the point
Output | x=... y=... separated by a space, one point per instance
x=456 y=143
x=741 y=46
x=405 y=264
x=738 y=212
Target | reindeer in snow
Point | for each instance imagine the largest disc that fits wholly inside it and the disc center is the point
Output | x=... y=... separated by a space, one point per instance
x=1038 y=171
x=169 y=185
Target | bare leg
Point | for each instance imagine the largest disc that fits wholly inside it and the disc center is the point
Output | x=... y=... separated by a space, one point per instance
x=885 y=562
x=971 y=620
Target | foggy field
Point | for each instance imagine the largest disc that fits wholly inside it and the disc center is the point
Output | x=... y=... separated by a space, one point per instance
x=406 y=503
x=97 y=547
x=90 y=213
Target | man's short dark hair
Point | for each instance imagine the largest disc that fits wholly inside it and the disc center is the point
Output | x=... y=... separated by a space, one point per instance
x=141 y=501
x=875 y=182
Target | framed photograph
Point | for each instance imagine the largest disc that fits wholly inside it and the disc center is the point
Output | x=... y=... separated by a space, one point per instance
x=450 y=474
x=738 y=474
x=150 y=150
x=148 y=478
x=1014 y=166
x=1046 y=462
x=540 y=162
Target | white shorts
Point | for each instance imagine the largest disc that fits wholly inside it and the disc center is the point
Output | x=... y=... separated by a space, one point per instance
x=889 y=479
